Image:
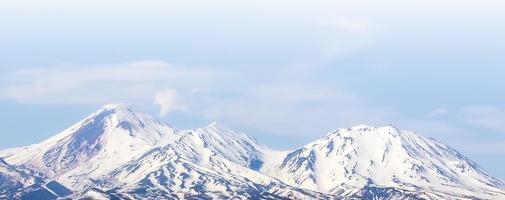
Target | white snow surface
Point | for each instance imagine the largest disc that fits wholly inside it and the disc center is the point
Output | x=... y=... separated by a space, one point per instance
x=347 y=160
x=12 y=177
x=136 y=156
x=103 y=141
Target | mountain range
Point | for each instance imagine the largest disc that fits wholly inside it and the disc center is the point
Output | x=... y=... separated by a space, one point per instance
x=117 y=153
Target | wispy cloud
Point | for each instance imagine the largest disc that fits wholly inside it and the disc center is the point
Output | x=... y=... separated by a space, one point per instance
x=273 y=105
x=486 y=147
x=99 y=84
x=169 y=100
x=485 y=116
x=295 y=109
x=438 y=112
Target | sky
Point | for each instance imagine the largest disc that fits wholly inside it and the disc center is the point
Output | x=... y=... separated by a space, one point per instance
x=271 y=69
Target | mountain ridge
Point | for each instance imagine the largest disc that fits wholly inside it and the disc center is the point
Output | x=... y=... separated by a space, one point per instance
x=111 y=136
x=119 y=153
x=387 y=157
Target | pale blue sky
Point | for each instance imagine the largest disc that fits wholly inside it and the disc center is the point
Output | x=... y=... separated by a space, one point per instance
x=274 y=70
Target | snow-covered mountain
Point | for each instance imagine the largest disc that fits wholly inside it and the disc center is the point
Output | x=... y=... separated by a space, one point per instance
x=211 y=162
x=346 y=161
x=13 y=180
x=18 y=182
x=101 y=142
x=118 y=153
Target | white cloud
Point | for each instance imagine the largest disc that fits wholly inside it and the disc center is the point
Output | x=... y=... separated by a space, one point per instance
x=485 y=116
x=438 y=112
x=169 y=100
x=98 y=84
x=281 y=108
x=264 y=102
x=486 y=147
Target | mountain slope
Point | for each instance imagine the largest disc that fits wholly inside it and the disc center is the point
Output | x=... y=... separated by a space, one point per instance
x=13 y=180
x=102 y=142
x=118 y=153
x=211 y=162
x=207 y=145
x=17 y=182
x=346 y=161
x=166 y=173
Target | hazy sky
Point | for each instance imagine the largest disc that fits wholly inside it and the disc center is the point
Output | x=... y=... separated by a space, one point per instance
x=271 y=69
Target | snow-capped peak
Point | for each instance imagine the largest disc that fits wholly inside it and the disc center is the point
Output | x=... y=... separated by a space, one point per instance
x=213 y=124
x=363 y=128
x=116 y=112
x=218 y=140
x=362 y=155
x=119 y=148
x=109 y=137
x=116 y=106
x=220 y=128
